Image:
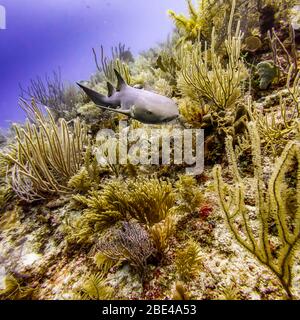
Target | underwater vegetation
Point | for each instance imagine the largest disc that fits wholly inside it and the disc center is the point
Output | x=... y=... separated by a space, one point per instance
x=204 y=77
x=275 y=248
x=131 y=243
x=45 y=156
x=95 y=288
x=267 y=73
x=14 y=290
x=188 y=260
x=119 y=61
x=51 y=92
x=201 y=19
x=279 y=125
x=151 y=202
x=76 y=225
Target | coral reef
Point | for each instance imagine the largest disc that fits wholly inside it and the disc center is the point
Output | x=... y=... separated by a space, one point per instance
x=267 y=73
x=119 y=61
x=130 y=243
x=95 y=288
x=46 y=156
x=52 y=93
x=76 y=224
x=275 y=250
x=188 y=261
x=204 y=76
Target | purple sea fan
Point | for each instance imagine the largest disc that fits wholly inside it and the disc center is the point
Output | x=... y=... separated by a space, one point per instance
x=131 y=243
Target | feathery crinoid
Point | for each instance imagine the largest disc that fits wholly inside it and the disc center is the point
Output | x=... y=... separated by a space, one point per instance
x=104 y=263
x=149 y=200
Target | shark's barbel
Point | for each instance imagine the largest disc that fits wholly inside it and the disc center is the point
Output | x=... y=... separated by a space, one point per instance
x=142 y=105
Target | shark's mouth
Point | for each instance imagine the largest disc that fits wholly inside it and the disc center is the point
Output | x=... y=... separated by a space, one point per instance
x=170 y=119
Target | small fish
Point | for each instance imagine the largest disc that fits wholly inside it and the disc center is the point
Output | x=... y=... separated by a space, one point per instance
x=144 y=106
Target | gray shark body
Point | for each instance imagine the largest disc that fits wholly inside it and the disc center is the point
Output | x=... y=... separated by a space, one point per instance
x=142 y=105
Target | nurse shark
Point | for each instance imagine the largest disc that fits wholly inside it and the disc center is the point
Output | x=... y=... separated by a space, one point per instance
x=145 y=106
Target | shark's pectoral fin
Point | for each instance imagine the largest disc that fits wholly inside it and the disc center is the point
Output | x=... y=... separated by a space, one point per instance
x=125 y=112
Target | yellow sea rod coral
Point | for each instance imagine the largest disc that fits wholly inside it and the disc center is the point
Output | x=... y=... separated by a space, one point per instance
x=271 y=206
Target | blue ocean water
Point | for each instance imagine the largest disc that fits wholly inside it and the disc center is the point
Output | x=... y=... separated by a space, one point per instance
x=41 y=36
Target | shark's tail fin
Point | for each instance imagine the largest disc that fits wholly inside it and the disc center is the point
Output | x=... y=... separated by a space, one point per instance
x=96 y=97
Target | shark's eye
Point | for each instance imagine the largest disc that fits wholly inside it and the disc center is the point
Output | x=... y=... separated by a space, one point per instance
x=149 y=112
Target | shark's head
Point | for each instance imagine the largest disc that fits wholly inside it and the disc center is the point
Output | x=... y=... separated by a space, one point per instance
x=160 y=110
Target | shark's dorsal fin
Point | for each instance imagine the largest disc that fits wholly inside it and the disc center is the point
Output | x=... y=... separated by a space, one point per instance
x=111 y=89
x=121 y=82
